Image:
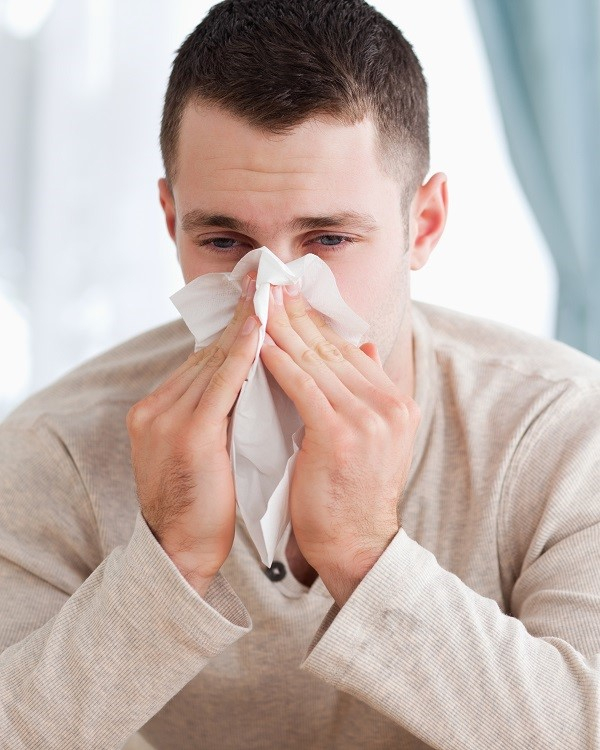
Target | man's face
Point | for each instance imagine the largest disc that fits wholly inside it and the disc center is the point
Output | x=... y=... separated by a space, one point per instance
x=318 y=189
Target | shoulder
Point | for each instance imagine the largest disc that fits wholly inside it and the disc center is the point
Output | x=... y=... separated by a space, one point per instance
x=489 y=361
x=64 y=453
x=520 y=415
x=502 y=394
x=82 y=415
x=122 y=375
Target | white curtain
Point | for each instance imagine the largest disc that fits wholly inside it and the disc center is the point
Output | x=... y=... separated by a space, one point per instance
x=545 y=57
x=85 y=260
x=15 y=95
x=85 y=257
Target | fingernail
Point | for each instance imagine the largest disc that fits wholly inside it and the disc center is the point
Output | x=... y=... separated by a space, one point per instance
x=277 y=295
x=251 y=290
x=249 y=325
x=268 y=341
x=293 y=289
x=245 y=283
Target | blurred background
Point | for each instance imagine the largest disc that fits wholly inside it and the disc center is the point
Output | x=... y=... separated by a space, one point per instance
x=85 y=259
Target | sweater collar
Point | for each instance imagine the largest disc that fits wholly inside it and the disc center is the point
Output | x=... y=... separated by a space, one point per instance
x=426 y=380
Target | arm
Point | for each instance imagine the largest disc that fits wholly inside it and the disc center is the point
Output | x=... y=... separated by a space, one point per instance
x=406 y=636
x=420 y=646
x=90 y=652
x=117 y=639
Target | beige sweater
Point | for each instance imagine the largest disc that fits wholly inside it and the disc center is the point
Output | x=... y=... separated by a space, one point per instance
x=479 y=627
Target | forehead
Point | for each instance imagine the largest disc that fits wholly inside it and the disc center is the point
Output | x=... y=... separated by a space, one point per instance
x=216 y=142
x=319 y=168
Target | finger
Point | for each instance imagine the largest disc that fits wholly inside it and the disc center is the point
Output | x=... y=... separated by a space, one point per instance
x=312 y=404
x=243 y=310
x=370 y=350
x=223 y=388
x=192 y=361
x=179 y=382
x=190 y=399
x=370 y=368
x=339 y=379
x=163 y=397
x=217 y=353
x=313 y=327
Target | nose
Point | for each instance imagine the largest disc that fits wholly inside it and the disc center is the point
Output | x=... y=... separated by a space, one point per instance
x=283 y=250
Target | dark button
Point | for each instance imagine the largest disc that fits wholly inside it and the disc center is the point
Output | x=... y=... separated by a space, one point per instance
x=276 y=572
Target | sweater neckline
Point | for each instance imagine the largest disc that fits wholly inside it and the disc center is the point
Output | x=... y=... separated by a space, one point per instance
x=426 y=382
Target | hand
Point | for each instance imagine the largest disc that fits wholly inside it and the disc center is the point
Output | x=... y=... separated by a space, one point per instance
x=359 y=433
x=178 y=447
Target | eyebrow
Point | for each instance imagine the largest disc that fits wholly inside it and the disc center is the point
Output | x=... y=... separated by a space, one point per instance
x=197 y=219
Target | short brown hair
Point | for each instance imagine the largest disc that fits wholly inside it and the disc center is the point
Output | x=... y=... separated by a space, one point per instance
x=276 y=63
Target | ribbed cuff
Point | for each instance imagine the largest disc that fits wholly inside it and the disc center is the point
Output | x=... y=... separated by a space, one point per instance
x=161 y=598
x=342 y=643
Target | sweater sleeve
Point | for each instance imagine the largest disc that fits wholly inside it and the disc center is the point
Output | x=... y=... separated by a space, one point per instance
x=91 y=649
x=421 y=647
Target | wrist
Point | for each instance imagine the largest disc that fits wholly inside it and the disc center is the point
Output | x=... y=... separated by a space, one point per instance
x=195 y=566
x=342 y=574
x=198 y=580
x=340 y=585
x=190 y=563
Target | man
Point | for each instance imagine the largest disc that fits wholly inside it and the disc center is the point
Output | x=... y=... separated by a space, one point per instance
x=438 y=586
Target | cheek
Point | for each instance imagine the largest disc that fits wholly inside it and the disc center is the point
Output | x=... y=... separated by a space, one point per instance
x=370 y=288
x=359 y=294
x=196 y=263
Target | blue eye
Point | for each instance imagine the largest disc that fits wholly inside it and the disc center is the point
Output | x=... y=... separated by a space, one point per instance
x=229 y=245
x=332 y=241
x=221 y=245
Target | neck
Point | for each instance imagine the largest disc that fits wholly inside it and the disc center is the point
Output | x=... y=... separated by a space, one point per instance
x=399 y=365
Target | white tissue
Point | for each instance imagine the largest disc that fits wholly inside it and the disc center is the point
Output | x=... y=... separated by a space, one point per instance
x=265 y=430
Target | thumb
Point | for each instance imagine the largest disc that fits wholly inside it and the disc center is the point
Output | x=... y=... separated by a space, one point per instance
x=370 y=350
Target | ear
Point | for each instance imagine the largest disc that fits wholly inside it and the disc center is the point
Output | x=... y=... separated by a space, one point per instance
x=168 y=206
x=428 y=212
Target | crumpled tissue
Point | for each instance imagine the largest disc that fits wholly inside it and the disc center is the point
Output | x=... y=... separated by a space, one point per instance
x=265 y=431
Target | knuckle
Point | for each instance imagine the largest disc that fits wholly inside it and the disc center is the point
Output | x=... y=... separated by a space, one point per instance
x=197 y=357
x=329 y=352
x=216 y=357
x=348 y=350
x=403 y=409
x=310 y=357
x=370 y=422
x=315 y=342
x=137 y=417
x=219 y=381
x=296 y=311
x=316 y=318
